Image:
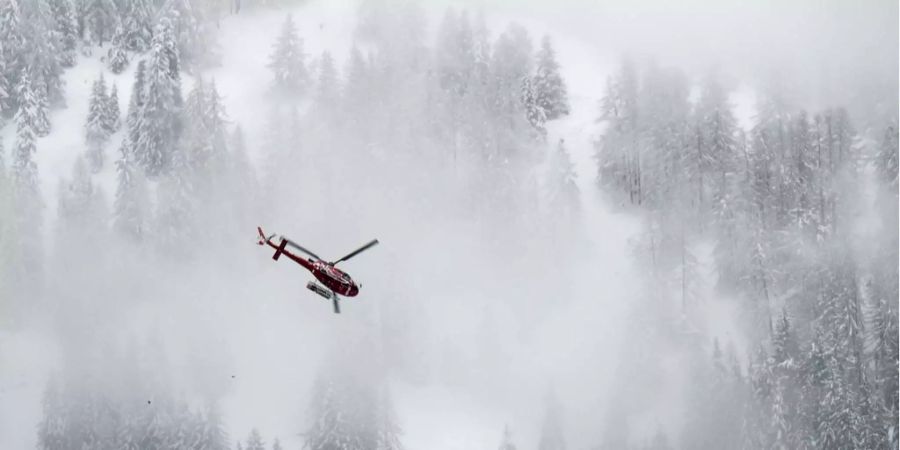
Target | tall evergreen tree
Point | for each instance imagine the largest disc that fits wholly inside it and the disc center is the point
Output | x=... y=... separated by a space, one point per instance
x=117 y=56
x=562 y=187
x=887 y=162
x=100 y=18
x=506 y=443
x=113 y=114
x=137 y=24
x=136 y=104
x=535 y=114
x=27 y=119
x=52 y=430
x=326 y=99
x=25 y=183
x=66 y=26
x=550 y=89
x=131 y=205
x=254 y=441
x=159 y=117
x=97 y=129
x=287 y=61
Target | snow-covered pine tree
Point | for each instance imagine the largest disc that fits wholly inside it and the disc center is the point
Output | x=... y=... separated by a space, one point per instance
x=506 y=443
x=81 y=207
x=887 y=161
x=550 y=89
x=510 y=63
x=617 y=151
x=356 y=89
x=63 y=12
x=137 y=24
x=7 y=237
x=562 y=187
x=25 y=182
x=254 y=441
x=785 y=394
x=387 y=430
x=277 y=445
x=160 y=116
x=52 y=430
x=453 y=54
x=27 y=117
x=535 y=114
x=113 y=113
x=216 y=120
x=287 y=61
x=12 y=44
x=209 y=430
x=97 y=126
x=6 y=94
x=196 y=46
x=333 y=425
x=132 y=201
x=42 y=56
x=136 y=104
x=117 y=56
x=326 y=99
x=176 y=207
x=242 y=186
x=100 y=19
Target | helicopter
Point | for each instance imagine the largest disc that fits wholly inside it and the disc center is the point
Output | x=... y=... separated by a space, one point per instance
x=335 y=282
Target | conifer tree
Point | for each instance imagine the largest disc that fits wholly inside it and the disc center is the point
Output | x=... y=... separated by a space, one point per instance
x=27 y=118
x=332 y=425
x=887 y=161
x=25 y=182
x=550 y=89
x=159 y=115
x=52 y=430
x=137 y=24
x=327 y=95
x=100 y=18
x=97 y=127
x=136 y=104
x=6 y=93
x=32 y=96
x=176 y=207
x=535 y=114
x=254 y=441
x=66 y=26
x=117 y=56
x=113 y=114
x=287 y=61
x=131 y=205
x=506 y=443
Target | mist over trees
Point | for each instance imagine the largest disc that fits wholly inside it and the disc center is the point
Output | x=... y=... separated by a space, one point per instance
x=458 y=129
x=777 y=203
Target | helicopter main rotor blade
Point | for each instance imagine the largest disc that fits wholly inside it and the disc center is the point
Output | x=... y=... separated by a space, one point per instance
x=298 y=247
x=357 y=251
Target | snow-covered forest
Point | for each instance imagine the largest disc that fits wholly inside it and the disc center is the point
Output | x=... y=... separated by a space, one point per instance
x=585 y=244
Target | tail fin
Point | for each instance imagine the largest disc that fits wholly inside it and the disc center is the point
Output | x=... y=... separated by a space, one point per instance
x=262 y=236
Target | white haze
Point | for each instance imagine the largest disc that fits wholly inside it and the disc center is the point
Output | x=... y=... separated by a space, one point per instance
x=486 y=317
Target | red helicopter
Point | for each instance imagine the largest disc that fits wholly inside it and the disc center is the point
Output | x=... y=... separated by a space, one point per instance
x=336 y=281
